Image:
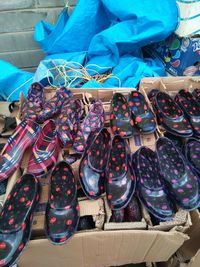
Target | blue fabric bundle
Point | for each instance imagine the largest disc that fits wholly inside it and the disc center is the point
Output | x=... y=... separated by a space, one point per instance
x=108 y=34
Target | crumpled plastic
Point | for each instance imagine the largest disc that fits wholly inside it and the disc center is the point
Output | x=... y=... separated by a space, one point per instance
x=108 y=34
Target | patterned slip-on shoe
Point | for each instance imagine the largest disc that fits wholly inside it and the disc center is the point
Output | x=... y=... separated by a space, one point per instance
x=151 y=189
x=120 y=178
x=45 y=151
x=143 y=117
x=196 y=94
x=16 y=219
x=133 y=211
x=67 y=122
x=54 y=106
x=25 y=135
x=170 y=115
x=62 y=211
x=94 y=120
x=117 y=216
x=93 y=163
x=182 y=183
x=192 y=154
x=191 y=109
x=34 y=102
x=121 y=121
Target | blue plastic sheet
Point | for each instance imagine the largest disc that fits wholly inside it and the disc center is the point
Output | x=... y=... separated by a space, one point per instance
x=106 y=33
x=13 y=81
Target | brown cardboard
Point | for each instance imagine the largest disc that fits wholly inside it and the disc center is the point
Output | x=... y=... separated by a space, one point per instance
x=103 y=248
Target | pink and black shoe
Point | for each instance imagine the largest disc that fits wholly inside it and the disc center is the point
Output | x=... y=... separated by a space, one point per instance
x=67 y=121
x=54 y=106
x=183 y=184
x=16 y=219
x=62 y=211
x=170 y=115
x=25 y=135
x=142 y=115
x=45 y=151
x=34 y=102
x=151 y=189
x=191 y=109
x=94 y=120
x=120 y=178
x=93 y=163
x=192 y=154
x=121 y=121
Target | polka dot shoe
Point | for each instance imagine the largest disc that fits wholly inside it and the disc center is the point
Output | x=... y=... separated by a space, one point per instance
x=94 y=120
x=16 y=219
x=53 y=106
x=170 y=116
x=151 y=189
x=45 y=151
x=34 y=102
x=143 y=117
x=192 y=154
x=196 y=94
x=67 y=122
x=93 y=163
x=121 y=121
x=62 y=211
x=191 y=109
x=182 y=183
x=120 y=178
x=24 y=136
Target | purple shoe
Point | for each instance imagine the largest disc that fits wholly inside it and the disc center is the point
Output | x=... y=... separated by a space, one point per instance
x=192 y=154
x=151 y=189
x=94 y=120
x=34 y=102
x=182 y=183
x=54 y=105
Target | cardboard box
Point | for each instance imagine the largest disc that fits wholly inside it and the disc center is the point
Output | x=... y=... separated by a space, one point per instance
x=102 y=248
x=180 y=56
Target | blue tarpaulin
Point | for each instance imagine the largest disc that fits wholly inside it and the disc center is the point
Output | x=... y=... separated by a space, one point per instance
x=109 y=34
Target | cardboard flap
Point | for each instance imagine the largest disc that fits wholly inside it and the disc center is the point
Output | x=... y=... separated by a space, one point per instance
x=109 y=248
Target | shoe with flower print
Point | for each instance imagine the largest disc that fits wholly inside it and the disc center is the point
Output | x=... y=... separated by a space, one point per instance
x=54 y=106
x=34 y=102
x=62 y=211
x=16 y=219
x=67 y=122
x=94 y=120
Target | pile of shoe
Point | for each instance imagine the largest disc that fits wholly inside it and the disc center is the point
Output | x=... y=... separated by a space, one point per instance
x=164 y=180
